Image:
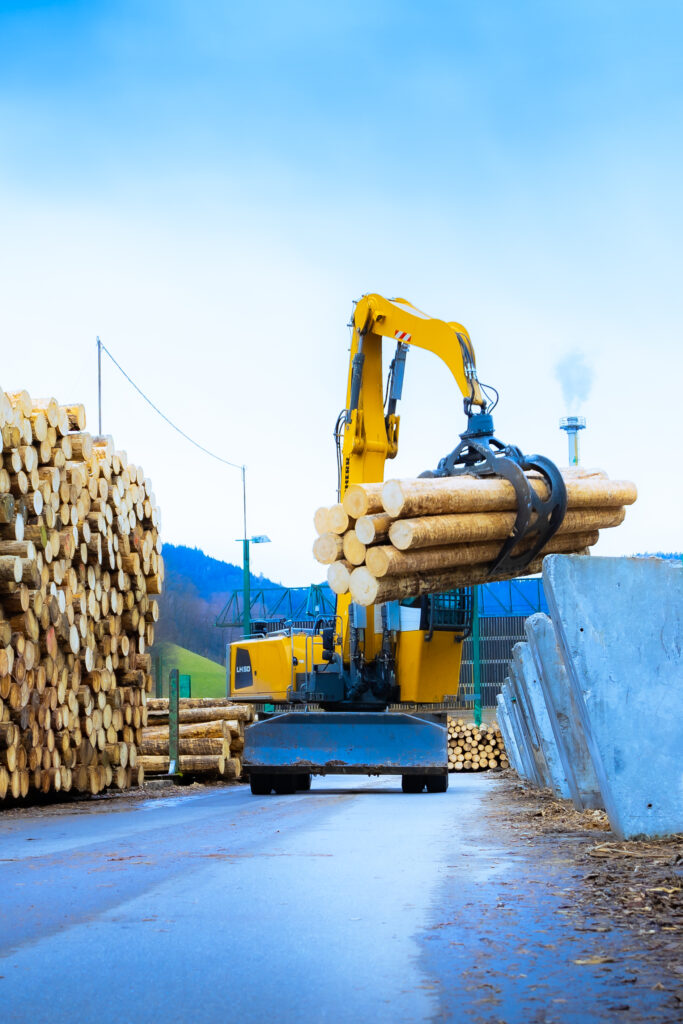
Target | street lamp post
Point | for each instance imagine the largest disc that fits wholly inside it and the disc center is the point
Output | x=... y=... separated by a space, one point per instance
x=246 y=588
x=246 y=541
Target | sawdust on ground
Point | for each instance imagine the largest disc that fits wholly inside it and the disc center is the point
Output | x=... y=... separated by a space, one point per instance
x=635 y=885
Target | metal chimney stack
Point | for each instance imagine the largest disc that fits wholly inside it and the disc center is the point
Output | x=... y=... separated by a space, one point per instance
x=572 y=425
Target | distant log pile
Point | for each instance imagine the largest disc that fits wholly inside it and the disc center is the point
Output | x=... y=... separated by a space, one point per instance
x=409 y=537
x=211 y=736
x=474 y=748
x=80 y=563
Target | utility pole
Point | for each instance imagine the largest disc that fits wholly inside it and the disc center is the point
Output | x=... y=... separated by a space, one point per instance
x=246 y=611
x=99 y=385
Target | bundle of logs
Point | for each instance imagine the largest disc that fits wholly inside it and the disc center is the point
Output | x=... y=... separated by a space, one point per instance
x=405 y=538
x=80 y=561
x=210 y=736
x=473 y=748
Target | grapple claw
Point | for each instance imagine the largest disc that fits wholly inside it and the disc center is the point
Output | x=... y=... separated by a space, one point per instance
x=481 y=454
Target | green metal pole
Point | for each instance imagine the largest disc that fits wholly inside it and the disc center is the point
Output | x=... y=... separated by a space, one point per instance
x=476 y=656
x=246 y=612
x=173 y=716
x=159 y=681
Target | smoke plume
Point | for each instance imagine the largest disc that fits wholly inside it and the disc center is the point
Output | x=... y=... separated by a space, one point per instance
x=576 y=377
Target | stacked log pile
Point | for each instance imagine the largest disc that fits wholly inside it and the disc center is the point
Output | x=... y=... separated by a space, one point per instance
x=80 y=563
x=474 y=748
x=409 y=537
x=211 y=736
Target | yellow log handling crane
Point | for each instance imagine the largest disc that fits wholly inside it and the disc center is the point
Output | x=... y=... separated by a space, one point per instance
x=368 y=691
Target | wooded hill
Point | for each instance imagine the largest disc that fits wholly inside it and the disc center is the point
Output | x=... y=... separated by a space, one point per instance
x=196 y=589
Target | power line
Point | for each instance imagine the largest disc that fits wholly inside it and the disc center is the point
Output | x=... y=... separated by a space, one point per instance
x=226 y=462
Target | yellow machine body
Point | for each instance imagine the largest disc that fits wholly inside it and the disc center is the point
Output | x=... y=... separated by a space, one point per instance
x=263 y=668
x=428 y=671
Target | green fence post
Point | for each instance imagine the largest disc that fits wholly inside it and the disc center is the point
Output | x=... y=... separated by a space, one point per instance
x=476 y=656
x=159 y=677
x=173 y=715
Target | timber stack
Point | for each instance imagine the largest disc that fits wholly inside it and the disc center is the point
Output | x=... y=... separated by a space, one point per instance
x=80 y=568
x=473 y=748
x=210 y=736
x=405 y=538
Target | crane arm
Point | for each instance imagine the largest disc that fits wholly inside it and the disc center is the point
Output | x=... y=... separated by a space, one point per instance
x=370 y=431
x=400 y=320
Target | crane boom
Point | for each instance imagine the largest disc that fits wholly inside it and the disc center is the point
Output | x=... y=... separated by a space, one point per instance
x=371 y=432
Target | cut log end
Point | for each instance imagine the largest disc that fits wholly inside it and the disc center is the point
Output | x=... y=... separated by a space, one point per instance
x=328 y=548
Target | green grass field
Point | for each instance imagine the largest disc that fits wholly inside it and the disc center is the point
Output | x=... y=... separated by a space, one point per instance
x=208 y=677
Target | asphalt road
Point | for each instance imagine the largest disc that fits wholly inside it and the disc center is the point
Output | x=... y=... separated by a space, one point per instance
x=354 y=902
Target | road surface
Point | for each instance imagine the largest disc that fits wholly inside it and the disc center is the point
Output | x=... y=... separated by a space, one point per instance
x=354 y=902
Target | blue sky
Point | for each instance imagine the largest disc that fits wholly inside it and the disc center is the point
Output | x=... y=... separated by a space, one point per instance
x=208 y=186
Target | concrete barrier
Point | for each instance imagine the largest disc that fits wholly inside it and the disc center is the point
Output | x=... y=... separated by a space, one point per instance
x=619 y=625
x=540 y=775
x=529 y=682
x=563 y=713
x=527 y=768
x=508 y=735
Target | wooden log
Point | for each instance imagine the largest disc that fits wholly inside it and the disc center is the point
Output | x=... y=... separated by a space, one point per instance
x=154 y=763
x=202 y=763
x=235 y=711
x=338 y=519
x=6 y=508
x=339 y=576
x=153 y=584
x=241 y=711
x=76 y=416
x=363 y=500
x=20 y=400
x=224 y=728
x=25 y=549
x=386 y=560
x=371 y=529
x=321 y=520
x=328 y=548
x=354 y=550
x=213 y=714
x=366 y=589
x=198 y=745
x=39 y=425
x=439 y=496
x=10 y=569
x=232 y=768
x=461 y=528
x=50 y=406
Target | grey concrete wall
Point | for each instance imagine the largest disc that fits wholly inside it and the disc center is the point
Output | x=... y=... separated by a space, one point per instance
x=620 y=629
x=563 y=712
x=527 y=767
x=508 y=735
x=527 y=675
x=538 y=770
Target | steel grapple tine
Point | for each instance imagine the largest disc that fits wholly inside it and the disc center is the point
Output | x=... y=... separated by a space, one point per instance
x=481 y=454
